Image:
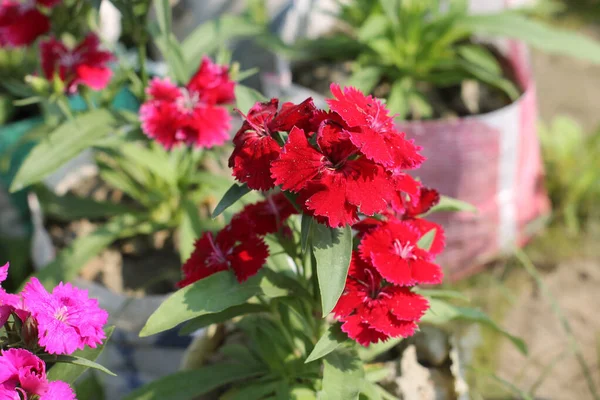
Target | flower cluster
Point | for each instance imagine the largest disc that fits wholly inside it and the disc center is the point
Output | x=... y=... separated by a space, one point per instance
x=22 y=22
x=23 y=376
x=192 y=115
x=377 y=302
x=85 y=64
x=239 y=247
x=340 y=163
x=43 y=323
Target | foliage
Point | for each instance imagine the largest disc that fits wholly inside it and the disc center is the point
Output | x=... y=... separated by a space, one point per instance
x=406 y=48
x=571 y=160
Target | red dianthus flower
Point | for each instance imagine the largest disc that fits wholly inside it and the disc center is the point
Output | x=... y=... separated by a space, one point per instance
x=372 y=130
x=255 y=144
x=193 y=114
x=268 y=216
x=393 y=251
x=21 y=22
x=236 y=248
x=371 y=310
x=86 y=64
x=332 y=180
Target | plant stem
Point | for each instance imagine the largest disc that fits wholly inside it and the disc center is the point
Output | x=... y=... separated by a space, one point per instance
x=142 y=63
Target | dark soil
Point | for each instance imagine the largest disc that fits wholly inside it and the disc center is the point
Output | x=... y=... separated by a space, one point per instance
x=145 y=264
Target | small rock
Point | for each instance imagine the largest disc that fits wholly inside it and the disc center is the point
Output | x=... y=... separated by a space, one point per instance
x=432 y=346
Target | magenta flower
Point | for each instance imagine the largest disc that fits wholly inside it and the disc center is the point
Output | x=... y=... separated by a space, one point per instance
x=67 y=318
x=58 y=390
x=7 y=301
x=21 y=372
x=193 y=114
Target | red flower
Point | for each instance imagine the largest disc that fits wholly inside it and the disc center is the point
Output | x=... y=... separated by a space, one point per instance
x=256 y=146
x=332 y=181
x=372 y=130
x=237 y=249
x=268 y=216
x=85 y=64
x=371 y=310
x=192 y=114
x=21 y=23
x=393 y=251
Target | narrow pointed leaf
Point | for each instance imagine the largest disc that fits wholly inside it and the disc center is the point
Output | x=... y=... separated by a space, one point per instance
x=188 y=385
x=305 y=230
x=330 y=341
x=332 y=248
x=449 y=204
x=70 y=372
x=207 y=296
x=427 y=240
x=225 y=315
x=342 y=375
x=63 y=144
x=234 y=193
x=441 y=312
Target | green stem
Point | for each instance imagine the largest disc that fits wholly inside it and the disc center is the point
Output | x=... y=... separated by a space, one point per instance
x=142 y=63
x=64 y=108
x=87 y=99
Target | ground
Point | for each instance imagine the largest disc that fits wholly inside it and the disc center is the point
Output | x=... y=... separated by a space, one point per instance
x=569 y=266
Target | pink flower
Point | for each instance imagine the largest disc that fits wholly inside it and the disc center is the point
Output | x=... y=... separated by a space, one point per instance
x=7 y=301
x=58 y=390
x=21 y=22
x=67 y=319
x=193 y=114
x=21 y=372
x=86 y=64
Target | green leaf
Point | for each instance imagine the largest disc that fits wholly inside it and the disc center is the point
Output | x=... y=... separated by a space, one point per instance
x=154 y=159
x=190 y=229
x=75 y=360
x=398 y=99
x=449 y=204
x=330 y=341
x=480 y=56
x=375 y=25
x=252 y=391
x=70 y=372
x=332 y=248
x=167 y=42
x=89 y=388
x=207 y=296
x=441 y=312
x=71 y=259
x=63 y=144
x=306 y=223
x=225 y=315
x=69 y=207
x=442 y=294
x=547 y=38
x=234 y=193
x=376 y=349
x=246 y=97
x=190 y=384
x=427 y=240
x=391 y=9
x=209 y=36
x=365 y=79
x=342 y=375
